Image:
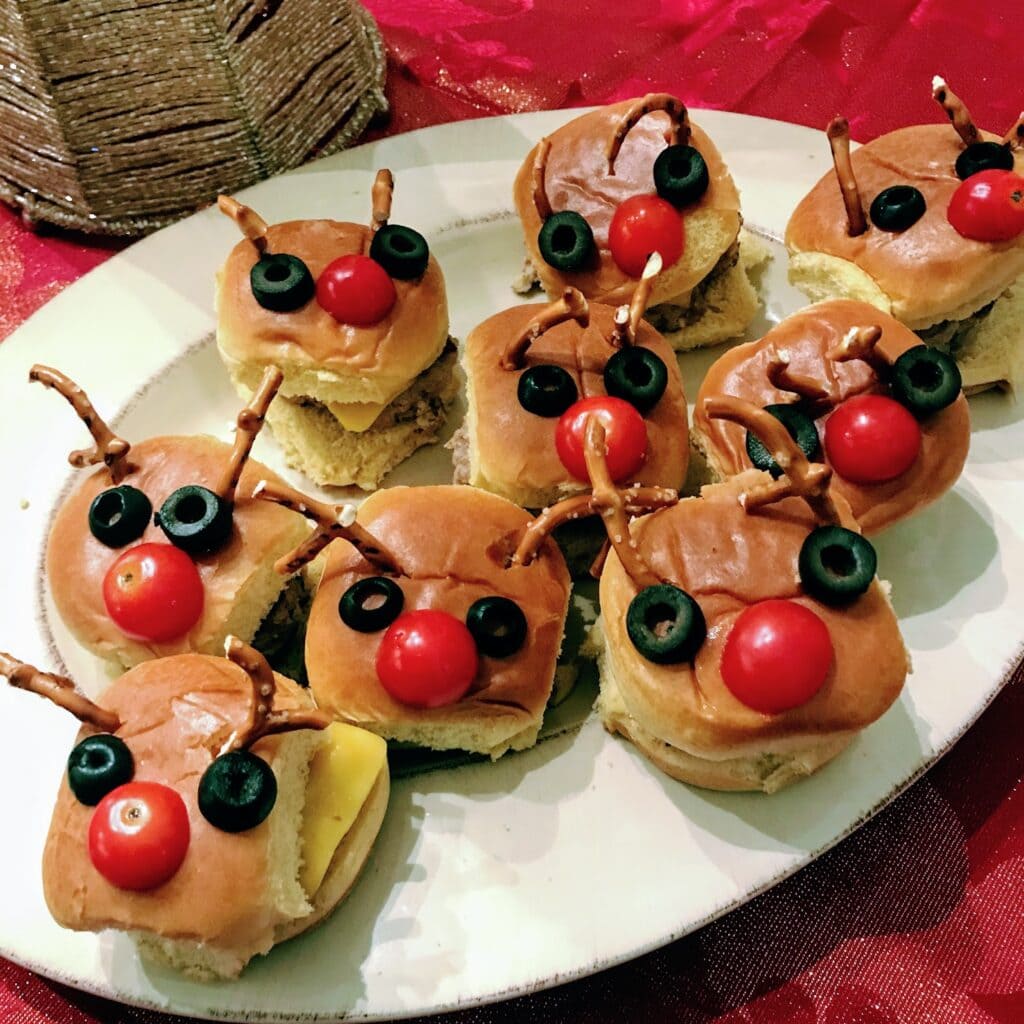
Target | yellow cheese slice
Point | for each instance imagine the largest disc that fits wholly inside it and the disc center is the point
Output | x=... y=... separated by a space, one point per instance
x=355 y=416
x=341 y=776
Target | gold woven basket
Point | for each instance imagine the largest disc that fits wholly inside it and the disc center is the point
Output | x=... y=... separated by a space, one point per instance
x=119 y=116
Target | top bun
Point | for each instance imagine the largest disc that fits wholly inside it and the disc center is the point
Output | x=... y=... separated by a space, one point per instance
x=576 y=178
x=332 y=361
x=923 y=275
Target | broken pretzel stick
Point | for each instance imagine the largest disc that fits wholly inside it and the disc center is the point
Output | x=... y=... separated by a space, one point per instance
x=955 y=110
x=247 y=427
x=58 y=689
x=540 y=195
x=571 y=306
x=333 y=521
x=838 y=132
x=110 y=449
x=783 y=378
x=250 y=223
x=380 y=197
x=678 y=132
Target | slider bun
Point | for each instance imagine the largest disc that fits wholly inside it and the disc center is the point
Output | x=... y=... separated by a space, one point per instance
x=727 y=559
x=512 y=452
x=453 y=543
x=577 y=179
x=235 y=895
x=923 y=275
x=807 y=336
x=239 y=582
x=321 y=358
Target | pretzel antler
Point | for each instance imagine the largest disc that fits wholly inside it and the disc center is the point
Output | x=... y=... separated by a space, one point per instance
x=58 y=689
x=783 y=378
x=679 y=129
x=539 y=191
x=627 y=318
x=110 y=449
x=571 y=306
x=860 y=343
x=380 y=196
x=801 y=478
x=1014 y=138
x=838 y=132
x=250 y=223
x=332 y=521
x=955 y=110
x=606 y=500
x=248 y=425
x=262 y=719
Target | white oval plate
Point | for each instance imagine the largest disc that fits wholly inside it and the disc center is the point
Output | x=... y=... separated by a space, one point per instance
x=488 y=880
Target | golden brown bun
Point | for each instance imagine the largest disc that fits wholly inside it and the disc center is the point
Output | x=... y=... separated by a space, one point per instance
x=235 y=894
x=923 y=275
x=727 y=559
x=577 y=178
x=321 y=358
x=807 y=336
x=453 y=542
x=512 y=452
x=239 y=583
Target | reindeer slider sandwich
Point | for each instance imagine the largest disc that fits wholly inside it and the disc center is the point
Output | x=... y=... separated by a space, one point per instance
x=207 y=809
x=927 y=224
x=357 y=319
x=533 y=373
x=857 y=390
x=604 y=191
x=421 y=628
x=734 y=626
x=160 y=550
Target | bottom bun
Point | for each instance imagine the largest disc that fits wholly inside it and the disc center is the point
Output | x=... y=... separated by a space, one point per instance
x=207 y=962
x=766 y=771
x=314 y=442
x=721 y=307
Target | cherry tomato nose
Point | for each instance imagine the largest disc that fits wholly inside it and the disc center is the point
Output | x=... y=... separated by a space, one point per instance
x=355 y=289
x=139 y=835
x=427 y=659
x=777 y=656
x=642 y=225
x=625 y=436
x=870 y=439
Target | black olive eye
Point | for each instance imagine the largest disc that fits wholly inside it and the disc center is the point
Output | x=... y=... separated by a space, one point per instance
x=281 y=282
x=237 y=791
x=119 y=515
x=925 y=380
x=98 y=765
x=636 y=375
x=801 y=428
x=195 y=519
x=681 y=175
x=836 y=565
x=566 y=241
x=546 y=390
x=498 y=626
x=984 y=156
x=665 y=624
x=402 y=252
x=896 y=208
x=371 y=604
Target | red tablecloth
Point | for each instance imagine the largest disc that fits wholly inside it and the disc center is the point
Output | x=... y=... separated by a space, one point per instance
x=920 y=915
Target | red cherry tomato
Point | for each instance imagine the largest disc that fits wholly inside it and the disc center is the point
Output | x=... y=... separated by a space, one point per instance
x=427 y=659
x=153 y=592
x=777 y=656
x=356 y=290
x=625 y=436
x=871 y=438
x=138 y=835
x=989 y=206
x=642 y=225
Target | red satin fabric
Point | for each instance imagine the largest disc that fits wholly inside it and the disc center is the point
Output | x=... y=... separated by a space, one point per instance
x=920 y=915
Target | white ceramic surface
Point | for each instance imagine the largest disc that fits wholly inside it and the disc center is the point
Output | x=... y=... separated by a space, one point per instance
x=488 y=880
